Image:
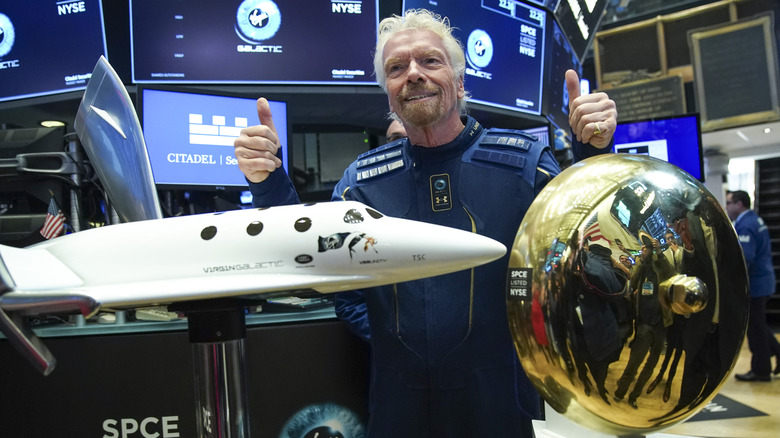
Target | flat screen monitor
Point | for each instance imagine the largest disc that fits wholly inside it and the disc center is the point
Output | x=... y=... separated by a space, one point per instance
x=505 y=48
x=561 y=57
x=14 y=142
x=48 y=47
x=253 y=41
x=541 y=132
x=549 y=4
x=638 y=211
x=675 y=139
x=189 y=136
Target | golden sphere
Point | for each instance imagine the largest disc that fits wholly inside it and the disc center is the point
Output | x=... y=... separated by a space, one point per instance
x=627 y=294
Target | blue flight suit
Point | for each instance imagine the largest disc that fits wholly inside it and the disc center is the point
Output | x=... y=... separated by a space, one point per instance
x=443 y=361
x=756 y=247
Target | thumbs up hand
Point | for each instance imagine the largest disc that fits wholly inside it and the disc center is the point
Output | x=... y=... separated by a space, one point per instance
x=592 y=117
x=255 y=148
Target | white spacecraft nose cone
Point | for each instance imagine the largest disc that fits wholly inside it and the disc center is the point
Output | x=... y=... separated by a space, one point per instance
x=458 y=249
x=487 y=249
x=475 y=248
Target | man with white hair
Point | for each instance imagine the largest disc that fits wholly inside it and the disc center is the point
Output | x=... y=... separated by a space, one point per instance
x=443 y=361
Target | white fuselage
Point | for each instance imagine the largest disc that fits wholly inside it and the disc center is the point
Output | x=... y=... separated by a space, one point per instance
x=327 y=247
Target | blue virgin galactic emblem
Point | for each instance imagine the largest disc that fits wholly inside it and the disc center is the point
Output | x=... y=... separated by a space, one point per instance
x=257 y=20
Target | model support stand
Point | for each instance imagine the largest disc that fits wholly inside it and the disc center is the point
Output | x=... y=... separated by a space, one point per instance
x=218 y=333
x=556 y=425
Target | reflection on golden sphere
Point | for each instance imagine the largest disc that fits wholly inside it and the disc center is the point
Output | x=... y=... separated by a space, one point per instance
x=638 y=279
x=683 y=295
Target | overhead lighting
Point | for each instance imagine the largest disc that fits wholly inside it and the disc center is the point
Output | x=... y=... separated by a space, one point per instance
x=52 y=123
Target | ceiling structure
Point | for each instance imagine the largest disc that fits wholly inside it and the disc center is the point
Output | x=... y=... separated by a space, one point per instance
x=754 y=141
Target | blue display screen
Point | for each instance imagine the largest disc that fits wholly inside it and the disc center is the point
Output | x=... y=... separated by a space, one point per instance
x=48 y=47
x=253 y=41
x=676 y=140
x=504 y=43
x=542 y=133
x=562 y=58
x=189 y=136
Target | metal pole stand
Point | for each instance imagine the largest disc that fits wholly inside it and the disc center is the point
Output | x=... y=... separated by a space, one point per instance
x=217 y=331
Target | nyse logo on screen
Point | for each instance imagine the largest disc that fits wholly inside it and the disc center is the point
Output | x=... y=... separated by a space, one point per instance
x=527 y=41
x=346 y=7
x=71 y=7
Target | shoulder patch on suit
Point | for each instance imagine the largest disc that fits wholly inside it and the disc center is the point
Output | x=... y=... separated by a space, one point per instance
x=498 y=157
x=506 y=147
x=380 y=161
x=508 y=139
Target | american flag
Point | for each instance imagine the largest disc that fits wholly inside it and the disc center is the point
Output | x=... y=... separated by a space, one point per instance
x=55 y=221
x=593 y=231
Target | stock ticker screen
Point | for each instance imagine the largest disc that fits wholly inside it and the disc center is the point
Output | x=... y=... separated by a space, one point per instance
x=253 y=41
x=48 y=47
x=504 y=42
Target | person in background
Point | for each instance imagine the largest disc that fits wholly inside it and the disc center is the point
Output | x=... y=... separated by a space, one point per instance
x=651 y=320
x=627 y=262
x=442 y=357
x=754 y=239
x=673 y=251
x=622 y=247
x=395 y=131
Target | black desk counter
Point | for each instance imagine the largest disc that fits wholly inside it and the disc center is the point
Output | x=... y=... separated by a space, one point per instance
x=136 y=379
